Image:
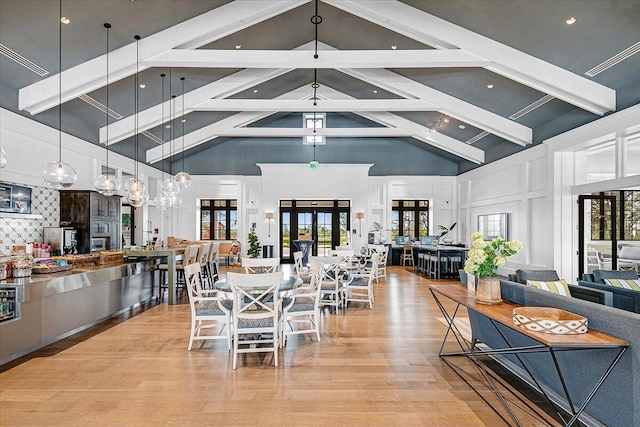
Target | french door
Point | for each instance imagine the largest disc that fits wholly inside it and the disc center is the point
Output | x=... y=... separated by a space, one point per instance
x=326 y=222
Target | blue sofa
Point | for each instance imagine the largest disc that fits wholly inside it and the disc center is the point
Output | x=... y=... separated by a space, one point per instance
x=625 y=299
x=617 y=403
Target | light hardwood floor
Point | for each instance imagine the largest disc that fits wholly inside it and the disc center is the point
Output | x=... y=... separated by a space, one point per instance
x=373 y=367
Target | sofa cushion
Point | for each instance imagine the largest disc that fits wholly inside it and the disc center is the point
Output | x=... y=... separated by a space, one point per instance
x=633 y=284
x=559 y=287
x=545 y=275
x=600 y=275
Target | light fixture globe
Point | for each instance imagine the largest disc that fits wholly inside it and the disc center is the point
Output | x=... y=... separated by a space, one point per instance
x=106 y=184
x=176 y=201
x=59 y=174
x=170 y=186
x=133 y=184
x=162 y=201
x=137 y=198
x=3 y=158
x=183 y=179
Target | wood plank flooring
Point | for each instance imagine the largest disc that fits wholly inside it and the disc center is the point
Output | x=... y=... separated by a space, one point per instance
x=373 y=367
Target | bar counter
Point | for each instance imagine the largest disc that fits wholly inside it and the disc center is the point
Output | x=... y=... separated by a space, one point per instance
x=58 y=305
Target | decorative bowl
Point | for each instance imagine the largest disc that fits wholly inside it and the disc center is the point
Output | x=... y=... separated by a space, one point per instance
x=550 y=320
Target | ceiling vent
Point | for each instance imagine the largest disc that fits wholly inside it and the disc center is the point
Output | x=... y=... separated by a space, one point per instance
x=22 y=61
x=152 y=137
x=100 y=106
x=529 y=108
x=633 y=49
x=478 y=137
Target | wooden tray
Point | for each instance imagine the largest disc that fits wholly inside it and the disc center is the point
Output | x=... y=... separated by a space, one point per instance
x=550 y=320
x=49 y=270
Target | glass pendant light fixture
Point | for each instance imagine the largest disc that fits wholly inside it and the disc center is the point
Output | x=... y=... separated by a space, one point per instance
x=3 y=157
x=169 y=185
x=58 y=173
x=136 y=195
x=162 y=200
x=183 y=178
x=107 y=184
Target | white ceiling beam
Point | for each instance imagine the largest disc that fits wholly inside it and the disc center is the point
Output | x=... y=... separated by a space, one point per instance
x=214 y=58
x=209 y=132
x=221 y=88
x=507 y=61
x=446 y=104
x=190 y=34
x=417 y=131
x=266 y=132
x=287 y=105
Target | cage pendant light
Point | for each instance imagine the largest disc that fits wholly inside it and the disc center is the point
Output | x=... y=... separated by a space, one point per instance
x=162 y=200
x=107 y=184
x=183 y=178
x=137 y=195
x=58 y=173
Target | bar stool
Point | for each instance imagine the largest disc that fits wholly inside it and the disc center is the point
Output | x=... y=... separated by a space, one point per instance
x=189 y=257
x=422 y=262
x=203 y=259
x=407 y=255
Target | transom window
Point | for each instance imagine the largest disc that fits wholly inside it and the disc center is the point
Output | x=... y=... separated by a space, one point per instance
x=218 y=219
x=409 y=218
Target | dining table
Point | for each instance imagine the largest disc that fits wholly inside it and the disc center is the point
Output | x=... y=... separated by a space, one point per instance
x=288 y=284
x=173 y=255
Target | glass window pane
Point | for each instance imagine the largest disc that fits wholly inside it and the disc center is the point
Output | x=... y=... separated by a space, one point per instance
x=286 y=235
x=205 y=225
x=344 y=203
x=408 y=224
x=324 y=233
x=325 y=203
x=205 y=203
x=344 y=217
x=286 y=203
x=423 y=224
x=233 y=225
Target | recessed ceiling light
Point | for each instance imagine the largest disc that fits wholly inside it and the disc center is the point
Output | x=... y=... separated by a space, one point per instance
x=255 y=91
x=238 y=46
x=183 y=120
x=461 y=126
x=446 y=120
x=142 y=85
x=375 y=91
x=571 y=20
x=490 y=86
x=167 y=126
x=65 y=20
x=394 y=47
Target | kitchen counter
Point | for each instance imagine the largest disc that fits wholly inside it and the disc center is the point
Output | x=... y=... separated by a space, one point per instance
x=60 y=304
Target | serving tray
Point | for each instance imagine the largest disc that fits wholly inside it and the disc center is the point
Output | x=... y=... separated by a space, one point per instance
x=550 y=320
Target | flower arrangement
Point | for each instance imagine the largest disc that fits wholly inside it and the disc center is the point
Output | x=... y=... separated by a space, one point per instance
x=485 y=257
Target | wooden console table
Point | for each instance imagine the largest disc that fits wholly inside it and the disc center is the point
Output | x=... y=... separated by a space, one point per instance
x=502 y=314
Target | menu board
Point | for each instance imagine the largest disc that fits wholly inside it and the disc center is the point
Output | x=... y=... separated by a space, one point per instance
x=15 y=199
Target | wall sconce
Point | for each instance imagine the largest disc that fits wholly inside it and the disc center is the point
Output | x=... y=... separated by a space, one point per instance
x=360 y=217
x=269 y=216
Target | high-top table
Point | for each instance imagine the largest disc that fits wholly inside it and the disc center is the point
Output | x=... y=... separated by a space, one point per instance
x=172 y=255
x=502 y=314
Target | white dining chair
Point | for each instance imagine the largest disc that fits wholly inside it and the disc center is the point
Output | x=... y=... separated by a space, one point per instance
x=260 y=265
x=302 y=307
x=360 y=287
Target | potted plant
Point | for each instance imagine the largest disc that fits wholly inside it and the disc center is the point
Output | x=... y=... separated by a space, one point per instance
x=254 y=245
x=378 y=229
x=444 y=231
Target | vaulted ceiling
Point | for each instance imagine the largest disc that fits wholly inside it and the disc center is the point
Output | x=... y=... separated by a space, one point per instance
x=414 y=86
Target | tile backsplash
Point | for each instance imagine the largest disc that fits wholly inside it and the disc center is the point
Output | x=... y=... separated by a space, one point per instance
x=15 y=230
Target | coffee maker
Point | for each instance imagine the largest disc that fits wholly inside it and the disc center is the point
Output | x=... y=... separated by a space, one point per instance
x=63 y=240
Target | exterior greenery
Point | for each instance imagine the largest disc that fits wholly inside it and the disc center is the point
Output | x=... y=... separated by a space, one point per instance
x=628 y=215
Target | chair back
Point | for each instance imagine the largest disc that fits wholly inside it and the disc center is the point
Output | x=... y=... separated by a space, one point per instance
x=260 y=265
x=383 y=254
x=315 y=285
x=190 y=254
x=300 y=270
x=255 y=296
x=203 y=252
x=370 y=269
x=213 y=251
x=346 y=255
x=194 y=282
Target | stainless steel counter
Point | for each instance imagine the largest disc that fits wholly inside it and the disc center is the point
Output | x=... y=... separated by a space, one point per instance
x=60 y=304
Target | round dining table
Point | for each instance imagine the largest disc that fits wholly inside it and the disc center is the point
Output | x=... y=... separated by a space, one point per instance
x=288 y=284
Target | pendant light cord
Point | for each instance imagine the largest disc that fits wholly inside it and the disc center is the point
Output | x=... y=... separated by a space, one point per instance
x=183 y=120
x=136 y=99
x=316 y=20
x=60 y=88
x=107 y=26
x=163 y=75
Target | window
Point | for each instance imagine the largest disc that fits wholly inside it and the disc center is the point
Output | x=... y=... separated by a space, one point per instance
x=314 y=121
x=409 y=218
x=628 y=215
x=218 y=219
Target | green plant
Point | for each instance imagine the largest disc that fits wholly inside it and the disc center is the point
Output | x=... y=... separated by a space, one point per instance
x=376 y=226
x=254 y=245
x=485 y=257
x=445 y=230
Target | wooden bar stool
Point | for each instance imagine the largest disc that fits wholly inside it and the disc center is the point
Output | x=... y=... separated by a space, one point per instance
x=407 y=255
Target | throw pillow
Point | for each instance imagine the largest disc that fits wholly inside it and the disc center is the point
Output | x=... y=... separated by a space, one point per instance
x=624 y=283
x=559 y=287
x=538 y=275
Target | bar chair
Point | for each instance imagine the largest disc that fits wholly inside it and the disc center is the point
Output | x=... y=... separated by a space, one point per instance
x=407 y=255
x=189 y=257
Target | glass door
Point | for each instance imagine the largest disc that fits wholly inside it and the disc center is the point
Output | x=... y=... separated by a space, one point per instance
x=597 y=239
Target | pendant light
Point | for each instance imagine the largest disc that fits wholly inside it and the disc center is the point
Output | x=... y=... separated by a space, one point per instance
x=162 y=200
x=3 y=157
x=137 y=195
x=169 y=185
x=183 y=178
x=107 y=184
x=316 y=20
x=176 y=201
x=58 y=173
